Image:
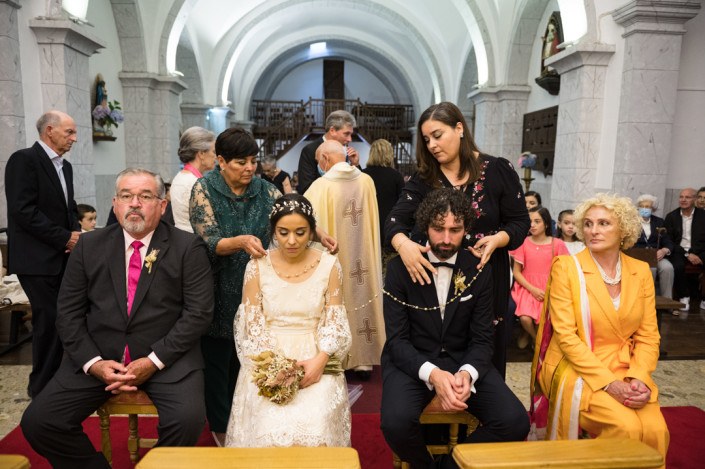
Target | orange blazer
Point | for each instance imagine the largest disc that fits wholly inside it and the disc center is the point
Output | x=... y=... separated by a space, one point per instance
x=625 y=341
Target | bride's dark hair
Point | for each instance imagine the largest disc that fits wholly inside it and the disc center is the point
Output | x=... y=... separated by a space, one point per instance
x=288 y=204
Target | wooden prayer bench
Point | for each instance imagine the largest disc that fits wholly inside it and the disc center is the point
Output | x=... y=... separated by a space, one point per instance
x=433 y=413
x=13 y=461
x=18 y=314
x=132 y=404
x=250 y=458
x=599 y=453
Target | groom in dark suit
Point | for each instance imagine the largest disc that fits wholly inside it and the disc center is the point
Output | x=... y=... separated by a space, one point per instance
x=439 y=340
x=135 y=300
x=42 y=228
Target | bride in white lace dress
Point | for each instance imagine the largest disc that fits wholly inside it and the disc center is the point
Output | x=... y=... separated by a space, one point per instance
x=292 y=304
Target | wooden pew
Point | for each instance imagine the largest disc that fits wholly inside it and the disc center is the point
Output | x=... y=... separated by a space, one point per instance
x=251 y=458
x=599 y=453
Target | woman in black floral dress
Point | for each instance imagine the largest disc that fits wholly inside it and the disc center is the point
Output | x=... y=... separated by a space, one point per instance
x=446 y=156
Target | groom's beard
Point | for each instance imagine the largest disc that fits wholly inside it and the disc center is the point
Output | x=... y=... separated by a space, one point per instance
x=444 y=251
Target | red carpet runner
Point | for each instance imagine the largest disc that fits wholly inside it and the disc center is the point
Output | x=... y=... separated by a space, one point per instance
x=686 y=424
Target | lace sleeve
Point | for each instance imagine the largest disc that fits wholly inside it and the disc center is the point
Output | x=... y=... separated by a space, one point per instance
x=202 y=218
x=251 y=334
x=333 y=332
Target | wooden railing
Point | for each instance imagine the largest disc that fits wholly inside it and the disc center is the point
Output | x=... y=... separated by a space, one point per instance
x=278 y=125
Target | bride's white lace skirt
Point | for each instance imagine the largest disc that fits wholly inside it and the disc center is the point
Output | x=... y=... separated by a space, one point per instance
x=319 y=415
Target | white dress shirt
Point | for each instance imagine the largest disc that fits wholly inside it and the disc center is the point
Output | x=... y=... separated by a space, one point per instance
x=687 y=226
x=128 y=253
x=442 y=281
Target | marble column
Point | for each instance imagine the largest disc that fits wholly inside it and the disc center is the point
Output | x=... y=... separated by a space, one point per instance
x=152 y=121
x=12 y=131
x=499 y=118
x=582 y=69
x=64 y=49
x=653 y=33
x=195 y=115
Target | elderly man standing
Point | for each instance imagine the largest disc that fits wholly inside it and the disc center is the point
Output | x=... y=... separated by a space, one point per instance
x=42 y=228
x=339 y=127
x=686 y=227
x=345 y=202
x=135 y=300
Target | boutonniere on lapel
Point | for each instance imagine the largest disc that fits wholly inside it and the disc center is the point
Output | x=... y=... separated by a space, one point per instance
x=459 y=282
x=150 y=259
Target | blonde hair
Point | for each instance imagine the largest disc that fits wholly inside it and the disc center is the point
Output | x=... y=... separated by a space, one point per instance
x=381 y=154
x=622 y=208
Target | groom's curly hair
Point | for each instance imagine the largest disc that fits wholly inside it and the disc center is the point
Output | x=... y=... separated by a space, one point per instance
x=434 y=207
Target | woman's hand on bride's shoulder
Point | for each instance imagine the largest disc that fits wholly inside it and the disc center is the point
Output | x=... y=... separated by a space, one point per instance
x=313 y=369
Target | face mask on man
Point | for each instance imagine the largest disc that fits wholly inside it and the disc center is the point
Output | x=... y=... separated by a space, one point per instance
x=645 y=212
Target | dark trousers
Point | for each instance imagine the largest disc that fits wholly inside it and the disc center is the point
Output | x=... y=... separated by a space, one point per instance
x=682 y=285
x=222 y=368
x=52 y=422
x=43 y=291
x=502 y=416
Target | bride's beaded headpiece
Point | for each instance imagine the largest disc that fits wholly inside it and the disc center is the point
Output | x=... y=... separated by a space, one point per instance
x=290 y=206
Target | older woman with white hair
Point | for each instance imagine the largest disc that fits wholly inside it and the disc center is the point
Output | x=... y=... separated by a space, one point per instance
x=654 y=236
x=599 y=341
x=197 y=153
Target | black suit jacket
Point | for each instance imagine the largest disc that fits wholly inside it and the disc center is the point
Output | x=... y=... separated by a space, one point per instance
x=655 y=241
x=308 y=171
x=416 y=336
x=674 y=226
x=39 y=222
x=172 y=308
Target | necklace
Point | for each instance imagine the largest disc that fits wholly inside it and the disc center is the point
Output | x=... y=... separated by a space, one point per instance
x=612 y=281
x=306 y=269
x=461 y=286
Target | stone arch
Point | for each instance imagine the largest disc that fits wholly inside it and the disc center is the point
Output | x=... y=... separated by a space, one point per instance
x=265 y=10
x=130 y=34
x=288 y=60
x=242 y=104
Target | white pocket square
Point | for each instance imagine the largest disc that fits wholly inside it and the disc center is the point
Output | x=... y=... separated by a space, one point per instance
x=465 y=298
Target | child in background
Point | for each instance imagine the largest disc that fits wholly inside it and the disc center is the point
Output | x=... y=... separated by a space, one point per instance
x=86 y=217
x=532 y=266
x=566 y=232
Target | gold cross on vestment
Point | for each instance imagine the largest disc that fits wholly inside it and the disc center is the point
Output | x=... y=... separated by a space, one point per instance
x=352 y=212
x=359 y=273
x=367 y=331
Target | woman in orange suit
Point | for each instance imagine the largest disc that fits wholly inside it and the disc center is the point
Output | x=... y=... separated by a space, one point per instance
x=599 y=342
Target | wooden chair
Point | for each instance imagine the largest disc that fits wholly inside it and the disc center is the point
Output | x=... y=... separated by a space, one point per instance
x=647 y=255
x=131 y=404
x=433 y=413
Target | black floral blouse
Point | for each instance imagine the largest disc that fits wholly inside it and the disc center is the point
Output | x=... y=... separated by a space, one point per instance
x=217 y=213
x=496 y=196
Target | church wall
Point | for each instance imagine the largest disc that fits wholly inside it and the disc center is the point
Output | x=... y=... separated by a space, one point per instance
x=687 y=158
x=306 y=81
x=109 y=156
x=302 y=82
x=29 y=64
x=539 y=99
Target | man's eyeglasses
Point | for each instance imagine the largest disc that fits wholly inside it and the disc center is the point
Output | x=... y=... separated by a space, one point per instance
x=144 y=198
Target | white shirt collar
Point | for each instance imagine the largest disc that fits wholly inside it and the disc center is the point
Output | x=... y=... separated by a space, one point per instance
x=51 y=153
x=129 y=239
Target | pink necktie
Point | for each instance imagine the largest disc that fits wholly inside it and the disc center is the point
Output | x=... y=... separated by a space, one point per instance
x=133 y=276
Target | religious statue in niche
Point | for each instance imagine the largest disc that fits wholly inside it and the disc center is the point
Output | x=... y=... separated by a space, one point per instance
x=105 y=113
x=552 y=38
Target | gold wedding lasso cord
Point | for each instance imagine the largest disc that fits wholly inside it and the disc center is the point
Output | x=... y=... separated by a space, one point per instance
x=432 y=308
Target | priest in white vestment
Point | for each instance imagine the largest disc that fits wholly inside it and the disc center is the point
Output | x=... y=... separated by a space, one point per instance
x=345 y=202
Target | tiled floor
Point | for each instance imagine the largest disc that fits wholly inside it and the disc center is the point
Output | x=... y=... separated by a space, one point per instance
x=680 y=373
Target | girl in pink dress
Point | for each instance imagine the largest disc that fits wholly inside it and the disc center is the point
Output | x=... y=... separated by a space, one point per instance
x=532 y=266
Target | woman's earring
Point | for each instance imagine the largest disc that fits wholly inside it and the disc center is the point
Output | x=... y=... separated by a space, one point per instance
x=310 y=243
x=462 y=135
